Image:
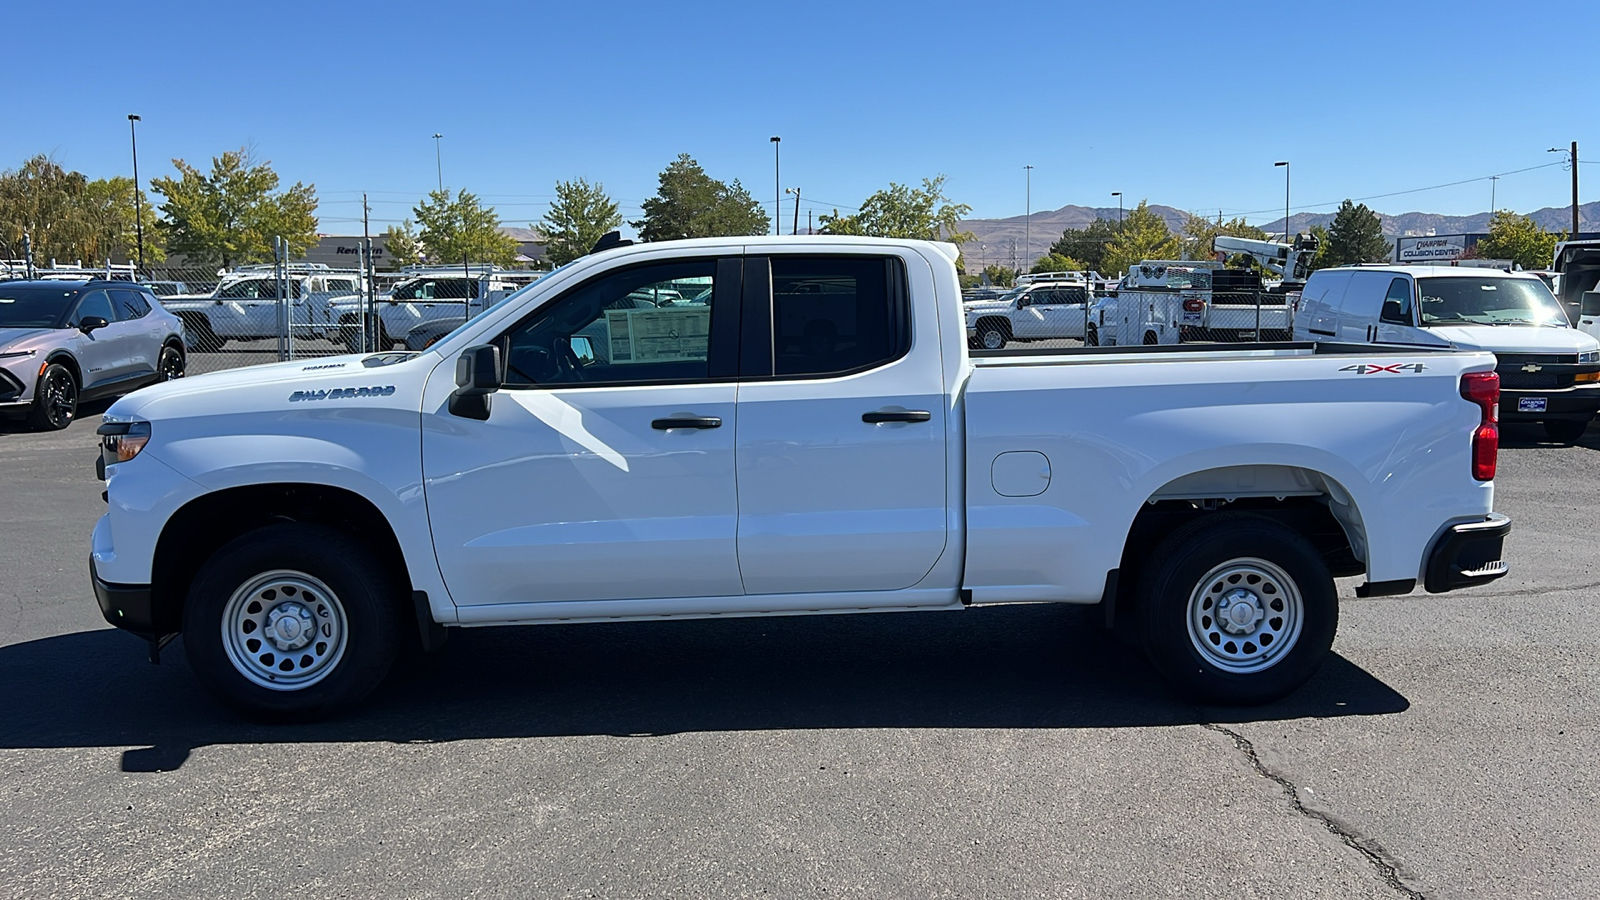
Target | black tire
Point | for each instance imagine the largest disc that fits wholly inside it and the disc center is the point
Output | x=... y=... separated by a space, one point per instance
x=1566 y=431
x=1091 y=336
x=992 y=335
x=1150 y=338
x=1205 y=569
x=170 y=366
x=55 y=399
x=341 y=583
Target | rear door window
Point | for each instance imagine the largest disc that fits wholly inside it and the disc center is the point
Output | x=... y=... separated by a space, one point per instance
x=130 y=305
x=832 y=315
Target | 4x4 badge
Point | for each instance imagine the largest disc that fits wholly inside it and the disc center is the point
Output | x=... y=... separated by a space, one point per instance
x=1392 y=369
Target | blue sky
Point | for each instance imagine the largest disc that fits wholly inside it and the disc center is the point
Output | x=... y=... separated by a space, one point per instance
x=1187 y=104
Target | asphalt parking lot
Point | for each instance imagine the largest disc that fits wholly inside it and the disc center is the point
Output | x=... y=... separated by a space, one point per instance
x=1446 y=751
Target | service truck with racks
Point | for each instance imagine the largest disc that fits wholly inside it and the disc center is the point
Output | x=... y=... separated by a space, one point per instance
x=813 y=436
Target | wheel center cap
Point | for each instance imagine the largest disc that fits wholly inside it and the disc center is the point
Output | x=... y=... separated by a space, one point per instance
x=1240 y=611
x=289 y=626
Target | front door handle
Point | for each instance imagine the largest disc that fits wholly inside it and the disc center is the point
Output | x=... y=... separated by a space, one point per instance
x=909 y=415
x=686 y=422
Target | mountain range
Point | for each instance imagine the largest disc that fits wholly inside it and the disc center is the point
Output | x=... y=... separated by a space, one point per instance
x=993 y=237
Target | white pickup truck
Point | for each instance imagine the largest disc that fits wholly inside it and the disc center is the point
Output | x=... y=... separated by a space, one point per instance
x=813 y=437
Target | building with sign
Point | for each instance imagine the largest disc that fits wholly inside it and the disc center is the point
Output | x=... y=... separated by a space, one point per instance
x=1434 y=249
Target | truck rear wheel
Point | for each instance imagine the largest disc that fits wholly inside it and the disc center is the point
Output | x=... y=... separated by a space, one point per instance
x=1091 y=336
x=1237 y=610
x=291 y=622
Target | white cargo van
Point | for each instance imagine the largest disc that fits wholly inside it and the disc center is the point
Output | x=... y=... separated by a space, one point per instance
x=1549 y=371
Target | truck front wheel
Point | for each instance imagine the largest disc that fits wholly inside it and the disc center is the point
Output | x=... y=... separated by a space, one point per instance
x=291 y=622
x=1237 y=610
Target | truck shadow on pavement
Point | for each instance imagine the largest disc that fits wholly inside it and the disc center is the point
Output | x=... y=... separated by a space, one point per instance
x=1005 y=667
x=1517 y=436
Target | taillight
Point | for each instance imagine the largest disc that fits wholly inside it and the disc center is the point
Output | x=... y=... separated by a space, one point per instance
x=1192 y=305
x=1483 y=388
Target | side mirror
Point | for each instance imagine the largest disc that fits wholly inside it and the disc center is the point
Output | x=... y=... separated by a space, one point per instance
x=582 y=348
x=1022 y=301
x=90 y=323
x=477 y=376
x=1393 y=313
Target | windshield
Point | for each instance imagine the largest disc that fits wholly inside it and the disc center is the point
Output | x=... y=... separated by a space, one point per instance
x=1466 y=300
x=436 y=289
x=33 y=307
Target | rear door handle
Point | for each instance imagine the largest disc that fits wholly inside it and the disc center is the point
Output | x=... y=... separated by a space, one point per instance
x=909 y=415
x=686 y=422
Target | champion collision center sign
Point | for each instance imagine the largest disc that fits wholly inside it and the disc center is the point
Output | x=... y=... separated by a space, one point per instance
x=1434 y=248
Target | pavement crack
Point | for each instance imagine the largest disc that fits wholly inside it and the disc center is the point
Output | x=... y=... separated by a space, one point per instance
x=1387 y=868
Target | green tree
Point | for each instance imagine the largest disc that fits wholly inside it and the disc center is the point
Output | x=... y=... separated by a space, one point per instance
x=461 y=229
x=1198 y=233
x=689 y=203
x=580 y=215
x=69 y=218
x=231 y=215
x=1055 y=262
x=1003 y=276
x=404 y=247
x=1088 y=244
x=1354 y=236
x=1144 y=235
x=923 y=213
x=1518 y=239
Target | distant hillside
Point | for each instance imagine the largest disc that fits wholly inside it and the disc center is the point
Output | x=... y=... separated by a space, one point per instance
x=994 y=237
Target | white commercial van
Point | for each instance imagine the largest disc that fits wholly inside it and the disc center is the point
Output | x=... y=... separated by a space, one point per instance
x=1549 y=371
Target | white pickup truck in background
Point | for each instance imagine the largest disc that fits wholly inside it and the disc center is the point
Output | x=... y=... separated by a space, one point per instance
x=244 y=306
x=811 y=436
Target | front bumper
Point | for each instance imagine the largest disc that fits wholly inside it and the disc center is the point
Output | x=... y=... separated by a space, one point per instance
x=1580 y=402
x=127 y=606
x=1468 y=554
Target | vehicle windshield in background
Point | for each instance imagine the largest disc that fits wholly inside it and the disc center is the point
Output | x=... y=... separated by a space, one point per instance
x=516 y=293
x=1464 y=300
x=35 y=307
x=437 y=289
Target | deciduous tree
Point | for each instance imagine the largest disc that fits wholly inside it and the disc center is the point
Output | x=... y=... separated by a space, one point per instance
x=1198 y=233
x=71 y=219
x=231 y=215
x=1518 y=239
x=580 y=215
x=1088 y=244
x=461 y=229
x=1055 y=262
x=404 y=248
x=1144 y=235
x=898 y=211
x=689 y=203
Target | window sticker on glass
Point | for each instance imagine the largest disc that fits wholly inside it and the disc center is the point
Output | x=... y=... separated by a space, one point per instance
x=659 y=335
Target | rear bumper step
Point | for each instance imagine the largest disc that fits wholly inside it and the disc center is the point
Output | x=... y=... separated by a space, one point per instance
x=1468 y=554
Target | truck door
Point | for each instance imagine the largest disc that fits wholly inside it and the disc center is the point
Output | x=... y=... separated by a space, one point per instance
x=841 y=442
x=605 y=470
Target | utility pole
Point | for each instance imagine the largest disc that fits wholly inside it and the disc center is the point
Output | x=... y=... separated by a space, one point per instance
x=809 y=228
x=1027 y=221
x=1572 y=160
x=777 y=192
x=1494 y=182
x=138 y=214
x=796 y=192
x=370 y=311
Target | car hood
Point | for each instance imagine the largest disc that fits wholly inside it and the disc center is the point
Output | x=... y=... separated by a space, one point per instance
x=273 y=383
x=10 y=337
x=1515 y=338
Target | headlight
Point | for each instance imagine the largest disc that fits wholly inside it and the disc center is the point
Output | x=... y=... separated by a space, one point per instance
x=122 y=441
x=1592 y=356
x=18 y=354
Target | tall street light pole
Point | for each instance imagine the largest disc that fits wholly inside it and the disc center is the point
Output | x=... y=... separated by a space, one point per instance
x=1118 y=195
x=1285 y=165
x=438 y=161
x=138 y=213
x=777 y=192
x=1027 y=221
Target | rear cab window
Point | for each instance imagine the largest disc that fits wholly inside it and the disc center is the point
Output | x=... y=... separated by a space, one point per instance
x=833 y=315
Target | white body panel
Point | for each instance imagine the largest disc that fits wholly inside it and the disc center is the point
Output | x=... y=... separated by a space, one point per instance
x=566 y=504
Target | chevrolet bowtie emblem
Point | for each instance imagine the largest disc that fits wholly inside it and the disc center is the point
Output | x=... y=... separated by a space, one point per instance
x=1532 y=367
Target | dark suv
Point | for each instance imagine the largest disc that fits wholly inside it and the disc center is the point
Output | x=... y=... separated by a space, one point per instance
x=67 y=342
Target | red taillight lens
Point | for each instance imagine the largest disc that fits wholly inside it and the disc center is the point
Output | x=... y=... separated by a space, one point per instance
x=1483 y=388
x=1193 y=305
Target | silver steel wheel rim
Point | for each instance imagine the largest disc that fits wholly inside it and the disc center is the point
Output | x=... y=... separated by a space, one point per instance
x=1245 y=615
x=993 y=340
x=284 y=630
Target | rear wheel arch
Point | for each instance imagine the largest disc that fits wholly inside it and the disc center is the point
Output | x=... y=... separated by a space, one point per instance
x=206 y=524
